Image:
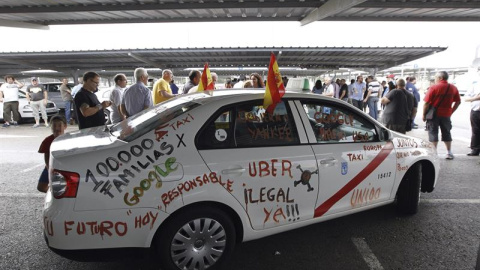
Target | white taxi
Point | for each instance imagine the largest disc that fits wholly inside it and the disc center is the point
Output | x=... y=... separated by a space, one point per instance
x=195 y=175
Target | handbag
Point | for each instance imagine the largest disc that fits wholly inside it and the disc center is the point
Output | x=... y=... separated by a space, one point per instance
x=432 y=111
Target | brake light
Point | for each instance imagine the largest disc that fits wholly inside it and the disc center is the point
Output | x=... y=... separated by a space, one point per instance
x=64 y=184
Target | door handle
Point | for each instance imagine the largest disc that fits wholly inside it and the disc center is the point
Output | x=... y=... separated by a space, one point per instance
x=326 y=161
x=233 y=171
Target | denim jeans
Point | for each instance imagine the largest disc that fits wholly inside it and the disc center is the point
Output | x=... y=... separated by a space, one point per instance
x=372 y=107
x=68 y=105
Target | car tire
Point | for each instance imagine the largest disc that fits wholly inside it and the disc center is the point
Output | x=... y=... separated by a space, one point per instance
x=183 y=242
x=408 y=194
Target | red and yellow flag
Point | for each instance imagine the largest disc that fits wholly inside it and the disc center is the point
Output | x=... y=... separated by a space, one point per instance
x=206 y=82
x=274 y=89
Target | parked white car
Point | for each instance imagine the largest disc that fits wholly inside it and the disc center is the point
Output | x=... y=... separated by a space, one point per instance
x=26 y=111
x=193 y=176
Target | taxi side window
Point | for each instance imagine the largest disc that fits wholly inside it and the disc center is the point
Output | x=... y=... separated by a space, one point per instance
x=218 y=133
x=335 y=124
x=254 y=127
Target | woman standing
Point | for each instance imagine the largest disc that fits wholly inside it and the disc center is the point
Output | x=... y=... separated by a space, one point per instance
x=318 y=88
x=257 y=80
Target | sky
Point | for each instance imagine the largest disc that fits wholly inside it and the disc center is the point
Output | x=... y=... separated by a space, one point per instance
x=461 y=38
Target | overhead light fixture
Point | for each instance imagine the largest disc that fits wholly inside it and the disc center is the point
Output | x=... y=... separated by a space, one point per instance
x=40 y=71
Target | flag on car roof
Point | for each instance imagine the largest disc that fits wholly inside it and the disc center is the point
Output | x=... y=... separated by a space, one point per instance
x=274 y=89
x=206 y=82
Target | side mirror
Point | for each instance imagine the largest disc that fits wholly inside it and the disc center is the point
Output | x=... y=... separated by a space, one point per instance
x=386 y=135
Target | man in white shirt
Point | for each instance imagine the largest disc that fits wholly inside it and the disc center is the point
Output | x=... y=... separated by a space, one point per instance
x=473 y=96
x=329 y=88
x=116 y=98
x=9 y=97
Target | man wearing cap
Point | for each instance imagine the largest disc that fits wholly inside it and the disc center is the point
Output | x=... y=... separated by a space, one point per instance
x=37 y=97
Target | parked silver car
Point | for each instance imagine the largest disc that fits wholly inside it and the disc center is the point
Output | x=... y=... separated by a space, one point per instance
x=26 y=111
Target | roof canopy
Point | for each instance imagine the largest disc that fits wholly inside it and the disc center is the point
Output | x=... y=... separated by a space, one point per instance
x=225 y=61
x=41 y=13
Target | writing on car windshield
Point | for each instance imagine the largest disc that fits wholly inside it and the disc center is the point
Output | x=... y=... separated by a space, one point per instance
x=333 y=124
x=147 y=120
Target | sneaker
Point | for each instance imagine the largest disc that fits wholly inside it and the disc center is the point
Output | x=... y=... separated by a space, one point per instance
x=5 y=125
x=46 y=125
x=15 y=124
x=35 y=126
x=449 y=156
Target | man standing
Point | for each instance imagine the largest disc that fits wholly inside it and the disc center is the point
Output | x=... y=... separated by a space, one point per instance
x=9 y=97
x=473 y=95
x=116 y=98
x=441 y=96
x=413 y=89
x=350 y=91
x=37 y=97
x=137 y=97
x=329 y=88
x=343 y=90
x=89 y=109
x=336 y=86
x=399 y=106
x=66 y=93
x=162 y=90
x=358 y=89
x=372 y=96
x=194 y=77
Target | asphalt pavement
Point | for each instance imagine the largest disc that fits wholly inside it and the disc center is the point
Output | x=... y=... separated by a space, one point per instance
x=444 y=234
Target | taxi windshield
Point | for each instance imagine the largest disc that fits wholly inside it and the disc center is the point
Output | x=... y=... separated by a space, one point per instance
x=149 y=119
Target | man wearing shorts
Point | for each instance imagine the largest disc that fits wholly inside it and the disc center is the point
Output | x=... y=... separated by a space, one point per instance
x=442 y=96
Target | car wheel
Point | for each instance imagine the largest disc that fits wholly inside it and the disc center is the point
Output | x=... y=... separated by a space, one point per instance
x=198 y=238
x=408 y=194
x=106 y=113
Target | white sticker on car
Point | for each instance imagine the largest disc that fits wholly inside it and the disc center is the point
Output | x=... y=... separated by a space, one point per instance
x=221 y=135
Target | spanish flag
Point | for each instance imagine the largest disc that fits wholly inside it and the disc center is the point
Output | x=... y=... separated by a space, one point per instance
x=206 y=82
x=274 y=89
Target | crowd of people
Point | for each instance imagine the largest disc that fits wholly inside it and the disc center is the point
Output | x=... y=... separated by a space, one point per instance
x=399 y=101
x=398 y=98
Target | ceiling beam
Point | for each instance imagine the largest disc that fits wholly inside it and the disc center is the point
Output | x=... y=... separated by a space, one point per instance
x=141 y=59
x=420 y=4
x=404 y=18
x=17 y=24
x=172 y=20
x=245 y=50
x=165 y=6
x=21 y=63
x=328 y=9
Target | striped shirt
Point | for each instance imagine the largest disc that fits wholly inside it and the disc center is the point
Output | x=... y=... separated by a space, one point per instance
x=375 y=87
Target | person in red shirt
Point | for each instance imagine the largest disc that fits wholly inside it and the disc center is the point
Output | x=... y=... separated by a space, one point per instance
x=58 y=123
x=442 y=96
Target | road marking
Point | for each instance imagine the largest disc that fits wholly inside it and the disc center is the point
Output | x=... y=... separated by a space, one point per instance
x=32 y=168
x=458 y=201
x=367 y=254
x=22 y=195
